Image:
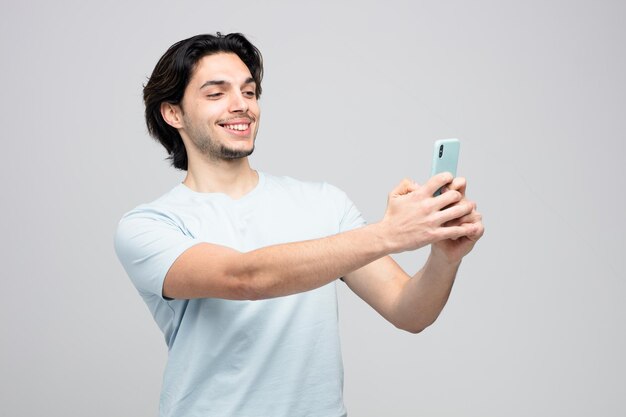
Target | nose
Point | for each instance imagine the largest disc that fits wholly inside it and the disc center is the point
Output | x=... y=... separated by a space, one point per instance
x=238 y=103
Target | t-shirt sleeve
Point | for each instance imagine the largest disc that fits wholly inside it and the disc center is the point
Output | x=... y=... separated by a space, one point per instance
x=350 y=217
x=147 y=243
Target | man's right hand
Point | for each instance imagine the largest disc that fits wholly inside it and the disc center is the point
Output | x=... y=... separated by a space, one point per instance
x=415 y=218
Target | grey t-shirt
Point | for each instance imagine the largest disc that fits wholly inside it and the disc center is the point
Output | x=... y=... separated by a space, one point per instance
x=276 y=357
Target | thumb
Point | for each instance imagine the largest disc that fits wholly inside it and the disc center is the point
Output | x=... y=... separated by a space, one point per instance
x=406 y=186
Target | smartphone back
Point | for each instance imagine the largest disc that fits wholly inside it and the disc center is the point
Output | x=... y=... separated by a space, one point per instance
x=445 y=156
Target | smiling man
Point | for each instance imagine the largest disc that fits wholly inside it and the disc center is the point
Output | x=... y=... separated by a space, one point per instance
x=239 y=268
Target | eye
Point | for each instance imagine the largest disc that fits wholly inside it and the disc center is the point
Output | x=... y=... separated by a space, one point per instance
x=214 y=95
x=249 y=94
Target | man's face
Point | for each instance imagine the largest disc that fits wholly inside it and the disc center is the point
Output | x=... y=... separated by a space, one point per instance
x=220 y=108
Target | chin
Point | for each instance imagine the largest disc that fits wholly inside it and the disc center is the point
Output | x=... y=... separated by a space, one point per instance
x=232 y=154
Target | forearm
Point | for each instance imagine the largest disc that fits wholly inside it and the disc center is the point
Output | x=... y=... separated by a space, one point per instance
x=291 y=268
x=423 y=297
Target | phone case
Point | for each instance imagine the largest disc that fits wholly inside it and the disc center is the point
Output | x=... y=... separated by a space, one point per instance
x=445 y=157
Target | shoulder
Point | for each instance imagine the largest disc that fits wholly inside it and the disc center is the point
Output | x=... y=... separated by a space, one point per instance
x=155 y=224
x=162 y=207
x=165 y=212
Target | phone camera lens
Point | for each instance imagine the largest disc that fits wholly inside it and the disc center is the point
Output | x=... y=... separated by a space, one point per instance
x=440 y=151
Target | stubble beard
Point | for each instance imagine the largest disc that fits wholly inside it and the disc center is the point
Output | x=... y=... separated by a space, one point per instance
x=217 y=151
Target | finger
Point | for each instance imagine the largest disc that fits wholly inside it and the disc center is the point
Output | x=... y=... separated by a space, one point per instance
x=458 y=184
x=478 y=230
x=451 y=214
x=476 y=227
x=446 y=199
x=473 y=217
x=436 y=182
x=455 y=232
x=406 y=186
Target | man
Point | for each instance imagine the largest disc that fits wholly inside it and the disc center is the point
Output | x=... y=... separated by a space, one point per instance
x=239 y=267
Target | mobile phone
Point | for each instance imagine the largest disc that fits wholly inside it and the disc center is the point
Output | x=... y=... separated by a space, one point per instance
x=445 y=157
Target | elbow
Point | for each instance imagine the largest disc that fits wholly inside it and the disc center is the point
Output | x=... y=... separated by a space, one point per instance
x=415 y=330
x=414 y=327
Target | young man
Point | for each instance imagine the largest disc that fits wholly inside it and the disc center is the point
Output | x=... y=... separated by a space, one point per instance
x=239 y=267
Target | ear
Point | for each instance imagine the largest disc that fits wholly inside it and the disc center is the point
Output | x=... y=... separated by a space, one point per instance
x=172 y=114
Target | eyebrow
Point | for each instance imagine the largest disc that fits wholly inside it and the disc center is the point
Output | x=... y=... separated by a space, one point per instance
x=249 y=80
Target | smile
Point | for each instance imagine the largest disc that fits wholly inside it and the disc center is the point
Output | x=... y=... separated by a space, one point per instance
x=239 y=127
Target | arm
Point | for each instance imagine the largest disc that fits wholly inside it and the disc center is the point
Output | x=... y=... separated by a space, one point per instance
x=412 y=304
x=411 y=222
x=208 y=270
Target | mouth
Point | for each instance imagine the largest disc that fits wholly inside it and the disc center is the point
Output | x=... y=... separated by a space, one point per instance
x=239 y=126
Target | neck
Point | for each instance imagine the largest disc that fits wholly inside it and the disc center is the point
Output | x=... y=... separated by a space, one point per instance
x=234 y=178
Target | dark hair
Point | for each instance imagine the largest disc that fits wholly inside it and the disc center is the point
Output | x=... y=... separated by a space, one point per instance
x=172 y=74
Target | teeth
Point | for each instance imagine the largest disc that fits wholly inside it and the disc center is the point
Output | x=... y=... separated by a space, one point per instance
x=237 y=127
